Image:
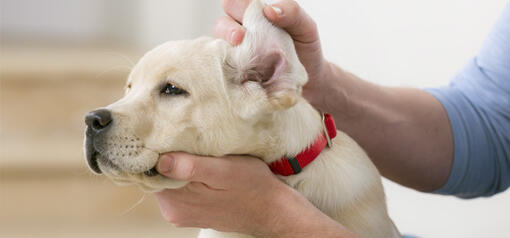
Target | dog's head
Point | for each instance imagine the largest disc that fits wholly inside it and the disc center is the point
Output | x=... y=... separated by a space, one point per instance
x=201 y=96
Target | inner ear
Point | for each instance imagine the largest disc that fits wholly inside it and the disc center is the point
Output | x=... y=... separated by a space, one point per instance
x=270 y=66
x=268 y=70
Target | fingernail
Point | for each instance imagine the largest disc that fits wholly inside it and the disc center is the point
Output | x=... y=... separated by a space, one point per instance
x=232 y=35
x=277 y=10
x=237 y=36
x=166 y=163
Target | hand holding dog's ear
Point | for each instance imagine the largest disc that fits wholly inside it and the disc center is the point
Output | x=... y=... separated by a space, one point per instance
x=288 y=15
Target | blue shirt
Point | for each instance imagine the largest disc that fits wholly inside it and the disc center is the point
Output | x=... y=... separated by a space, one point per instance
x=478 y=105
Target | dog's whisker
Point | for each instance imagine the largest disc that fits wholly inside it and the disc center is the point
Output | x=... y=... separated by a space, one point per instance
x=134 y=205
x=119 y=67
x=125 y=57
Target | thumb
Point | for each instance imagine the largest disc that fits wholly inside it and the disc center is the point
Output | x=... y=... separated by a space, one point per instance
x=194 y=168
x=287 y=14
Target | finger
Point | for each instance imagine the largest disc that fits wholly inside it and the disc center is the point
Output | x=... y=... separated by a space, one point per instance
x=214 y=172
x=186 y=209
x=189 y=195
x=288 y=15
x=173 y=204
x=228 y=29
x=235 y=8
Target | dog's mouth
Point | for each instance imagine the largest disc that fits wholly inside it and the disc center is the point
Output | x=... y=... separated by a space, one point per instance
x=94 y=165
x=151 y=172
x=92 y=162
x=91 y=154
x=96 y=160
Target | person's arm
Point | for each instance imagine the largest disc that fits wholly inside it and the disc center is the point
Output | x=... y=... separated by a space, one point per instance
x=453 y=140
x=405 y=132
x=239 y=194
x=478 y=104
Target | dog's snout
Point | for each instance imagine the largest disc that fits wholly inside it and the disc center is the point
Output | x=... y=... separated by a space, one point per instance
x=99 y=120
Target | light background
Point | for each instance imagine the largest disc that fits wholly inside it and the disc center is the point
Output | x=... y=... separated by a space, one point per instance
x=394 y=42
x=418 y=44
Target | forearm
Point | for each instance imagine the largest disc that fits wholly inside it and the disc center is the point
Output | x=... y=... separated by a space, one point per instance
x=292 y=216
x=406 y=132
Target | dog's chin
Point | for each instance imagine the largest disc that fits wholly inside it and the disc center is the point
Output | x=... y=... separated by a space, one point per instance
x=146 y=186
x=149 y=185
x=149 y=181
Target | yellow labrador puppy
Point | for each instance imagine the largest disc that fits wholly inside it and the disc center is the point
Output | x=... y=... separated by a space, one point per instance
x=207 y=97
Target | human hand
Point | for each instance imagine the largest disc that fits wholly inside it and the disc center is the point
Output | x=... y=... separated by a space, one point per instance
x=288 y=15
x=227 y=194
x=237 y=194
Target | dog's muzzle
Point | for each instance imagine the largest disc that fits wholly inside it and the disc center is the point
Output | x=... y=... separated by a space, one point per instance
x=98 y=123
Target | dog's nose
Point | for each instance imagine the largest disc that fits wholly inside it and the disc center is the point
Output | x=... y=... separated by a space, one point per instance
x=99 y=120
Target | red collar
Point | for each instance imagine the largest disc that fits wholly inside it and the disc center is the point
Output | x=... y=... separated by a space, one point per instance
x=289 y=166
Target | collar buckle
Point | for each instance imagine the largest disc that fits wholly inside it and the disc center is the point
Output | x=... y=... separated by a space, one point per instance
x=325 y=129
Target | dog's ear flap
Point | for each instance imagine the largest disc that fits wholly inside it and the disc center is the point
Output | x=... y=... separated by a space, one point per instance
x=267 y=56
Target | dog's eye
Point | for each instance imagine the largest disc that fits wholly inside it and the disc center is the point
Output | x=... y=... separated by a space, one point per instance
x=170 y=89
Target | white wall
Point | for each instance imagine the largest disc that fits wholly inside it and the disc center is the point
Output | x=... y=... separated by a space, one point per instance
x=59 y=20
x=132 y=23
x=420 y=44
x=163 y=20
x=68 y=22
x=399 y=42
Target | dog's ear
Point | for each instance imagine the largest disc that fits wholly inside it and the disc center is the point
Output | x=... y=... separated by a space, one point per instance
x=267 y=57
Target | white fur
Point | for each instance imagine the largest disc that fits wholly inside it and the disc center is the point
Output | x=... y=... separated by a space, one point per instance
x=228 y=113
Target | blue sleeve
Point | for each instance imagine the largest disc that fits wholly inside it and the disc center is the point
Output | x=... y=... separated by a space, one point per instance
x=478 y=105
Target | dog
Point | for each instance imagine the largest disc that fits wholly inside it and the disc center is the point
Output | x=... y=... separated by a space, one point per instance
x=207 y=97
